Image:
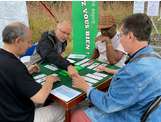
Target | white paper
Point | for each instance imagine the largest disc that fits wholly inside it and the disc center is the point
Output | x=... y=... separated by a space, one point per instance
x=94 y=76
x=86 y=64
x=90 y=80
x=39 y=76
x=138 y=7
x=40 y=80
x=153 y=8
x=104 y=65
x=65 y=93
x=100 y=65
x=90 y=84
x=71 y=61
x=51 y=67
x=93 y=65
x=100 y=74
x=77 y=56
x=54 y=74
x=82 y=61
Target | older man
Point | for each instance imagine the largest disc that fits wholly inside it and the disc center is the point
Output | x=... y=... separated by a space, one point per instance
x=18 y=91
x=134 y=87
x=108 y=47
x=53 y=43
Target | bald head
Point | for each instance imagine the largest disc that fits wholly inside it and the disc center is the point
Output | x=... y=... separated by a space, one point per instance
x=13 y=31
x=63 y=30
x=65 y=25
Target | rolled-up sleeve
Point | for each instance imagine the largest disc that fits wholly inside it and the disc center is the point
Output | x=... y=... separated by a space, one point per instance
x=122 y=93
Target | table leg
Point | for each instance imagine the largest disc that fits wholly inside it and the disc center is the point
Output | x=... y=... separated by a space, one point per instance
x=67 y=115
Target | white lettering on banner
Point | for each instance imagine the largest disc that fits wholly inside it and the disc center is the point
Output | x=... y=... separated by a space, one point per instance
x=85 y=11
x=83 y=3
x=86 y=24
x=87 y=40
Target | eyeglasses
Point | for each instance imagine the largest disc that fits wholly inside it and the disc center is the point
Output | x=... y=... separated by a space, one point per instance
x=67 y=33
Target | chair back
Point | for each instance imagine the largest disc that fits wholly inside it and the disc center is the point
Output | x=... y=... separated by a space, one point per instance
x=152 y=107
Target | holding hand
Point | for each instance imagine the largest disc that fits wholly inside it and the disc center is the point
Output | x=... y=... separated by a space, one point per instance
x=103 y=68
x=33 y=69
x=102 y=38
x=52 y=79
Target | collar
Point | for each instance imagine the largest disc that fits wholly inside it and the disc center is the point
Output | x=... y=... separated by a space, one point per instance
x=136 y=53
x=5 y=52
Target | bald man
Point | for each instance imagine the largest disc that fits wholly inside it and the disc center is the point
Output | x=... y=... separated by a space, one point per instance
x=18 y=90
x=53 y=43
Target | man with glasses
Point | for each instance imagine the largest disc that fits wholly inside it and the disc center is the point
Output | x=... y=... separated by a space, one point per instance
x=53 y=43
x=134 y=87
x=108 y=48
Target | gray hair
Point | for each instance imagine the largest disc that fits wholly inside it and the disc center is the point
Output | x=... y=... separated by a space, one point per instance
x=13 y=31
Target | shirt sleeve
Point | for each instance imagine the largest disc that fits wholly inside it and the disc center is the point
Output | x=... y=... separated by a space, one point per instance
x=89 y=90
x=122 y=93
x=96 y=45
x=116 y=43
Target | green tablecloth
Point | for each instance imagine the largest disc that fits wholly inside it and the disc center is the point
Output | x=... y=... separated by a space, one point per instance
x=65 y=79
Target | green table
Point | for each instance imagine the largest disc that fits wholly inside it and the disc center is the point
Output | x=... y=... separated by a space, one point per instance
x=66 y=80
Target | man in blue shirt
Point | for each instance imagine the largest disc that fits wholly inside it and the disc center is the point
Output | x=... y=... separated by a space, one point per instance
x=135 y=85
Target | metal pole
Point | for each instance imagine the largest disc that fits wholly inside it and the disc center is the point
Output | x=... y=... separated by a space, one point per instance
x=49 y=11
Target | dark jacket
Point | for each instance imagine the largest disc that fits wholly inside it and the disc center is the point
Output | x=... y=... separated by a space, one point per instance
x=48 y=49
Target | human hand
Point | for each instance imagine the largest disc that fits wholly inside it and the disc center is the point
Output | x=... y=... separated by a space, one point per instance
x=101 y=68
x=72 y=71
x=51 y=78
x=108 y=70
x=33 y=69
x=91 y=61
x=79 y=82
x=102 y=38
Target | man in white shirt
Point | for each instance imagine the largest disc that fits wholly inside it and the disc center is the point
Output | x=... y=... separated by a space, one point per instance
x=108 y=48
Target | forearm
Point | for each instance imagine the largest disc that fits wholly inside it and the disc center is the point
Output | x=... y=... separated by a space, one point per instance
x=95 y=54
x=111 y=71
x=43 y=93
x=58 y=60
x=111 y=54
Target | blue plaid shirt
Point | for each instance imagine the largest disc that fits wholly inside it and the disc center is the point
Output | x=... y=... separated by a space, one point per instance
x=130 y=92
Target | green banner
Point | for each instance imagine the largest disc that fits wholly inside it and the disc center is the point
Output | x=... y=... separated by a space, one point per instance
x=85 y=24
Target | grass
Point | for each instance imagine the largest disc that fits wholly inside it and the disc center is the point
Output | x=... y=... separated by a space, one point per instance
x=40 y=20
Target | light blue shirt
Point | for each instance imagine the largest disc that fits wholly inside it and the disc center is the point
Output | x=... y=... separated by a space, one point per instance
x=131 y=90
